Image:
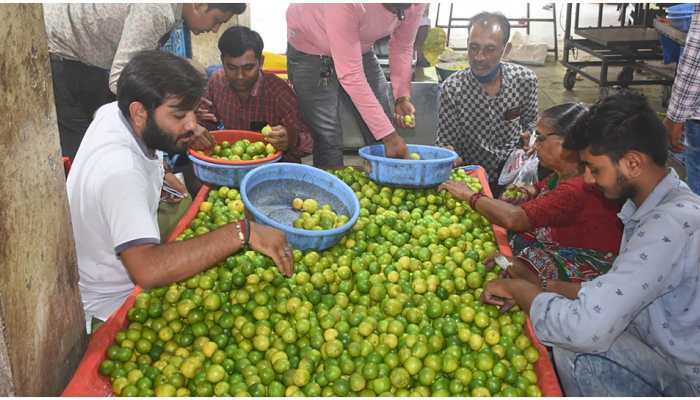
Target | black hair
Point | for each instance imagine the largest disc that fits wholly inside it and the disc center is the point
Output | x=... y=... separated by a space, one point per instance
x=618 y=124
x=236 y=40
x=489 y=17
x=152 y=76
x=235 y=8
x=561 y=118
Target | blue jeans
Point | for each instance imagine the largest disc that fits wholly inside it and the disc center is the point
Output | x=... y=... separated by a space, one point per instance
x=692 y=154
x=322 y=100
x=629 y=368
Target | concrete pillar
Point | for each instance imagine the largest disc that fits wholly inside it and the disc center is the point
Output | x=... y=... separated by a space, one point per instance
x=43 y=337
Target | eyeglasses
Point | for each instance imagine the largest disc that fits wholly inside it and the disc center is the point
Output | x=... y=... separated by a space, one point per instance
x=541 y=137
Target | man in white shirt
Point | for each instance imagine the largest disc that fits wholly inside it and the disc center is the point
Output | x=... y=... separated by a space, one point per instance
x=115 y=182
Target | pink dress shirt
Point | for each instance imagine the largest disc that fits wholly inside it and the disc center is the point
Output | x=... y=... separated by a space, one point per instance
x=345 y=32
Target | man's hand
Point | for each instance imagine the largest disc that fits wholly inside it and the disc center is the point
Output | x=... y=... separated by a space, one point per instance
x=459 y=190
x=204 y=111
x=272 y=243
x=497 y=292
x=203 y=140
x=405 y=113
x=278 y=138
x=674 y=131
x=395 y=146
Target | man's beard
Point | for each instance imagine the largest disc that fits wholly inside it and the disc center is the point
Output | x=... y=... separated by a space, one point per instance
x=156 y=138
x=627 y=190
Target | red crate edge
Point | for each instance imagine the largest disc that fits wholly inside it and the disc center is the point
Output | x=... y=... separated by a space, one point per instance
x=86 y=380
x=547 y=376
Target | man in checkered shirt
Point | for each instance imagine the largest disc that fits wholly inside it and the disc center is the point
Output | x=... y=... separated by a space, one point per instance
x=486 y=108
x=684 y=107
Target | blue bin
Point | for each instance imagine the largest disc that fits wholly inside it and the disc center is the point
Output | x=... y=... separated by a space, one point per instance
x=680 y=16
x=223 y=175
x=431 y=170
x=268 y=191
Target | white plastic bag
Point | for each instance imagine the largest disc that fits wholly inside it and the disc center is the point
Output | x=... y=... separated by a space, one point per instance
x=527 y=175
x=524 y=52
x=512 y=167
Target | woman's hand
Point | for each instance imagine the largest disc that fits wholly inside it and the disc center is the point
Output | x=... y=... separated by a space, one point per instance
x=515 y=195
x=459 y=190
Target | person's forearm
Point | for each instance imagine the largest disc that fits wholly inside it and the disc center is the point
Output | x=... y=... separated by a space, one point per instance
x=401 y=47
x=159 y=265
x=504 y=214
x=566 y=289
x=292 y=135
x=523 y=293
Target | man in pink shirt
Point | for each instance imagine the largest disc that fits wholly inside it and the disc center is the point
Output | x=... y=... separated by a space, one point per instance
x=330 y=60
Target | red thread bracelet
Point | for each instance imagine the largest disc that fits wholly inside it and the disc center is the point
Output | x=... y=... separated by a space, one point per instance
x=475 y=197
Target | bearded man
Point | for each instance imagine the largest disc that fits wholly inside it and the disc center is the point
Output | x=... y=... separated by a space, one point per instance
x=115 y=183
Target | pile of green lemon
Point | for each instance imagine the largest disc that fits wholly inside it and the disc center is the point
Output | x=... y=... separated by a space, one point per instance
x=242 y=150
x=314 y=218
x=393 y=309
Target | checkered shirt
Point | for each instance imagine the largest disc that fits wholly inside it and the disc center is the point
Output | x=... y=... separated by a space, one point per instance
x=271 y=101
x=685 y=98
x=475 y=124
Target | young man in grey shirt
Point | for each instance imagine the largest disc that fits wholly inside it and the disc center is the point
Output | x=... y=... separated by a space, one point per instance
x=89 y=45
x=633 y=331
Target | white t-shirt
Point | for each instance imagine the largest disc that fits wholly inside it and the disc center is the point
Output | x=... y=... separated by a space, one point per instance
x=113 y=191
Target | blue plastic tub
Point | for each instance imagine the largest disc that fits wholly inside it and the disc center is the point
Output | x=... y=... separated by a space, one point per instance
x=431 y=170
x=223 y=175
x=680 y=16
x=268 y=191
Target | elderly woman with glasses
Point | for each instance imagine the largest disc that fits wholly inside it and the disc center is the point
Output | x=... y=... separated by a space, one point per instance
x=565 y=230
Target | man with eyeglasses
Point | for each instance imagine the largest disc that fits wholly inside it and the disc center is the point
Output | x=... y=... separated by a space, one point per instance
x=486 y=108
